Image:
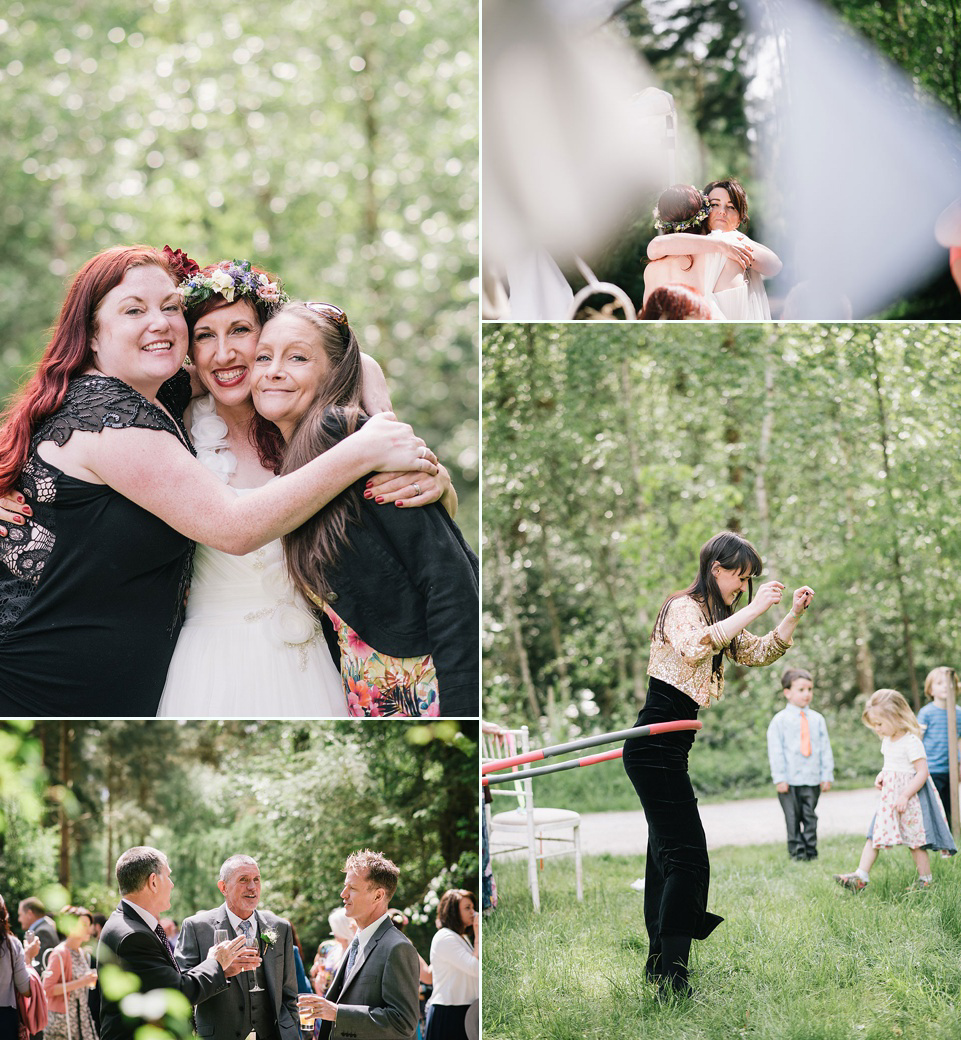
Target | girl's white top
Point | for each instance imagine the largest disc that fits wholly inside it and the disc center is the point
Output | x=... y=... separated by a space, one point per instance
x=900 y=752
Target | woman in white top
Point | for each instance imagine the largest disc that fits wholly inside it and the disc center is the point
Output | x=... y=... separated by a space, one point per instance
x=454 y=963
x=13 y=972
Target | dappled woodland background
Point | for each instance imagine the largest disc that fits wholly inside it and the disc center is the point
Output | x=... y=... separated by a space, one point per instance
x=298 y=796
x=611 y=453
x=707 y=55
x=335 y=144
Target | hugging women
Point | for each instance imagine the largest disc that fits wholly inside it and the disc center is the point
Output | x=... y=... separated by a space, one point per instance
x=99 y=445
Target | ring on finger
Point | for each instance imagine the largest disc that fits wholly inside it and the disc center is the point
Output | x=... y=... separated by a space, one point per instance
x=416 y=488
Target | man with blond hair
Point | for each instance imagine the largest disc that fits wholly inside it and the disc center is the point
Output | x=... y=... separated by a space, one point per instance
x=374 y=993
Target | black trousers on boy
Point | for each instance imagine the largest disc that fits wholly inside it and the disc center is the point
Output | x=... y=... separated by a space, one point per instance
x=798 y=803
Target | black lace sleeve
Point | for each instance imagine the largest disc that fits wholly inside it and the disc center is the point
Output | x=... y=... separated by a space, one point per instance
x=94 y=403
x=174 y=395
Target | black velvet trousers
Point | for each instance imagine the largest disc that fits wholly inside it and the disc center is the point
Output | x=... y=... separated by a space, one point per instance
x=678 y=872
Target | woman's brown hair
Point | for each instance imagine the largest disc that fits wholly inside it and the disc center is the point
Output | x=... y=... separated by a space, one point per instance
x=334 y=413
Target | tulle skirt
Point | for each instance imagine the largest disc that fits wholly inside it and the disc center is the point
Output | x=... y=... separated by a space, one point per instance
x=249 y=648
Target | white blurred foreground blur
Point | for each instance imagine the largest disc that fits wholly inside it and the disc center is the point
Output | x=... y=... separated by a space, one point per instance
x=857 y=163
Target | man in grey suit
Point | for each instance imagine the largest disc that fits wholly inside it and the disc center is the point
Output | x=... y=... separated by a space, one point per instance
x=374 y=993
x=271 y=1011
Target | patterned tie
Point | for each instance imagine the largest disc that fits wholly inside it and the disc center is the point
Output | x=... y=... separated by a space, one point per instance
x=805 y=735
x=162 y=936
x=351 y=957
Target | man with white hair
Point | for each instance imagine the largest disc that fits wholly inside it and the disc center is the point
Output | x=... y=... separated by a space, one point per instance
x=262 y=999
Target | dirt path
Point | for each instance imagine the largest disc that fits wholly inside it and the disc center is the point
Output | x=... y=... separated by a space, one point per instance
x=754 y=821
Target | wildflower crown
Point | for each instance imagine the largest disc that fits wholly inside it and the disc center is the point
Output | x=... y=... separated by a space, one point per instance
x=234 y=280
x=683 y=225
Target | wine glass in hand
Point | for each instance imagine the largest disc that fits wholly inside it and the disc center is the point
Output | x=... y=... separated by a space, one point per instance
x=253 y=943
x=221 y=936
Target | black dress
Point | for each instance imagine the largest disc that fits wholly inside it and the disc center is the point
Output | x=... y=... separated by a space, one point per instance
x=92 y=586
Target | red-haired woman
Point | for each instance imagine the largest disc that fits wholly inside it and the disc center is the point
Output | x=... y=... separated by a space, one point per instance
x=455 y=966
x=92 y=586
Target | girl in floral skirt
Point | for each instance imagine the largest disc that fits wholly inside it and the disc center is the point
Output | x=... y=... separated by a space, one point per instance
x=903 y=783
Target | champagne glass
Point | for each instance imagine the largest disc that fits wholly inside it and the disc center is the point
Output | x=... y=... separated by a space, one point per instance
x=220 y=936
x=253 y=943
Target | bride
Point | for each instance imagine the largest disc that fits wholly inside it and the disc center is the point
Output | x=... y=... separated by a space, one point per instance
x=732 y=279
x=250 y=647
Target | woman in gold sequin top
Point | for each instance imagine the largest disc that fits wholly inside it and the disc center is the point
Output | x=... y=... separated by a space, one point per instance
x=694 y=631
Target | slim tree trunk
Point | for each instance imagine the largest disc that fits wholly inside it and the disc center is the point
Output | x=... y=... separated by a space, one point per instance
x=63 y=871
x=863 y=658
x=899 y=573
x=513 y=623
x=763 y=454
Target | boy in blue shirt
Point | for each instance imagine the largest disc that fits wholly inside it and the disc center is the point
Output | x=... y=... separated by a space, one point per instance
x=802 y=765
x=934 y=727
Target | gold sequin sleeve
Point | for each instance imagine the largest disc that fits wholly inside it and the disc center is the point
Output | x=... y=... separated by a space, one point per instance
x=688 y=632
x=755 y=651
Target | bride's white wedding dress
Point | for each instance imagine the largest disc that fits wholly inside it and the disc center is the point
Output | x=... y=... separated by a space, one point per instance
x=249 y=647
x=744 y=302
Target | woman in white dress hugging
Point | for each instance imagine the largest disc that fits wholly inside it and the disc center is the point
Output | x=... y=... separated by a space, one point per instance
x=733 y=264
x=250 y=646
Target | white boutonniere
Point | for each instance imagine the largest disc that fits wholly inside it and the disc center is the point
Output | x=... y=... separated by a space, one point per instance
x=268 y=937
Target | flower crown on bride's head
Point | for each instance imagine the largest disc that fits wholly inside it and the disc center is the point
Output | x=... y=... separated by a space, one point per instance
x=683 y=225
x=234 y=280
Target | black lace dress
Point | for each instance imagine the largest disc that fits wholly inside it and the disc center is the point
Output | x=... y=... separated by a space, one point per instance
x=92 y=586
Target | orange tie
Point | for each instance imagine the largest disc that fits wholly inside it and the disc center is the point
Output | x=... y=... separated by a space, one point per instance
x=805 y=736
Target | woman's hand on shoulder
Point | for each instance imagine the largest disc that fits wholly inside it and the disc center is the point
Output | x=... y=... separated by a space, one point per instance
x=736 y=248
x=411 y=489
x=393 y=447
x=13 y=509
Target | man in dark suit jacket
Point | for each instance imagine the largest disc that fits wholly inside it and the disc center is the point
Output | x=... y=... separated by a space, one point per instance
x=32 y=916
x=240 y=1009
x=374 y=994
x=131 y=934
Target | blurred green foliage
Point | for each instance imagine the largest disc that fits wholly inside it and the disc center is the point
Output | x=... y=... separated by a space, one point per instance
x=335 y=145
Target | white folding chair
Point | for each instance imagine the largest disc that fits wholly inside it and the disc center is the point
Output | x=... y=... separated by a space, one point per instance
x=526 y=827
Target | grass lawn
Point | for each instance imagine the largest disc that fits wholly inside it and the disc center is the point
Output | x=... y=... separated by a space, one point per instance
x=797 y=958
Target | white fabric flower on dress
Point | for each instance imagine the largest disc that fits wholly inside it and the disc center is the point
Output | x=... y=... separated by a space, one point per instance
x=209 y=434
x=292 y=625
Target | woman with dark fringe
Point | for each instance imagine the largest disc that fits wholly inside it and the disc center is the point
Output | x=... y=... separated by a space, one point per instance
x=695 y=630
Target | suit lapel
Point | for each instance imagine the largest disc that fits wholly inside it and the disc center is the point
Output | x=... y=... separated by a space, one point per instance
x=367 y=954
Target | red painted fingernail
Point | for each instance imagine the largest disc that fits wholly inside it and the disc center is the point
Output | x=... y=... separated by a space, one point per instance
x=369 y=482
x=27 y=510
x=19 y=498
x=368 y=494
x=19 y=520
x=398 y=503
x=3 y=532
x=379 y=499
